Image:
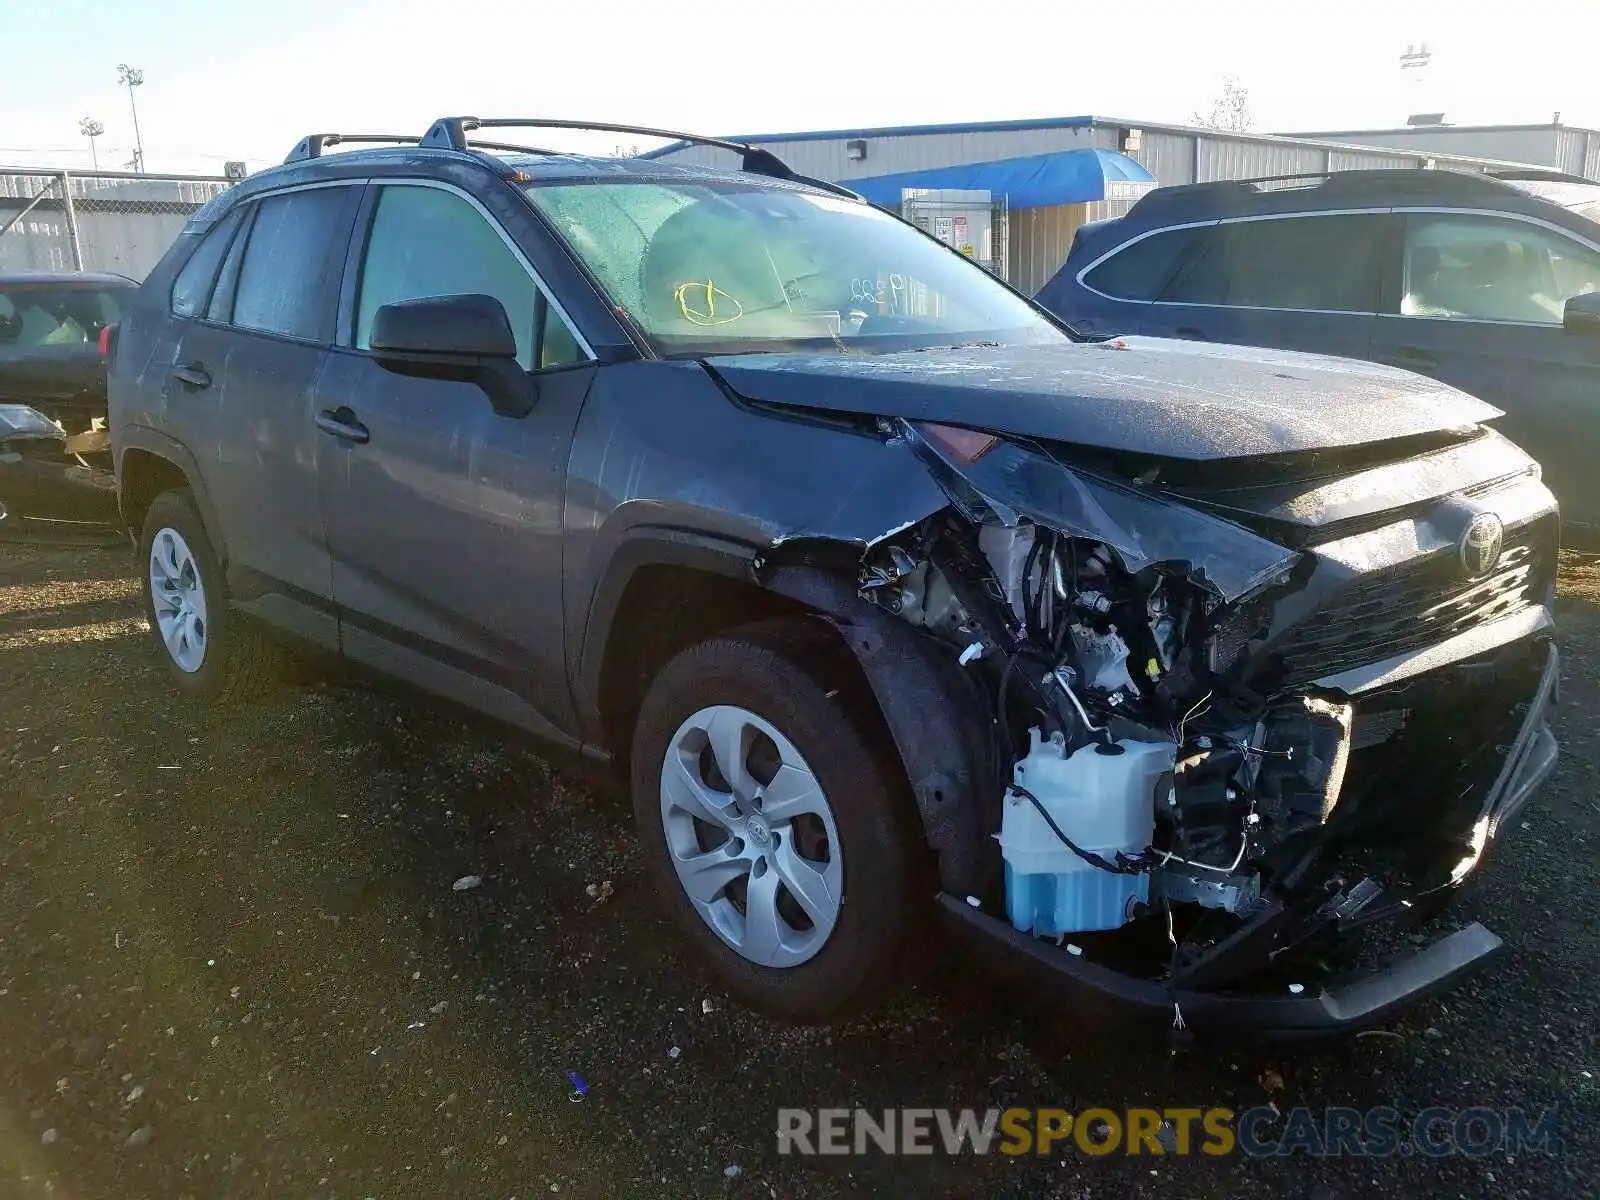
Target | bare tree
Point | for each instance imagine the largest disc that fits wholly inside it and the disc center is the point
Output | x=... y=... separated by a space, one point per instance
x=1230 y=111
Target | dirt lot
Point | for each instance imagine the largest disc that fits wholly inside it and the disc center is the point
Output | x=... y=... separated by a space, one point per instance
x=232 y=963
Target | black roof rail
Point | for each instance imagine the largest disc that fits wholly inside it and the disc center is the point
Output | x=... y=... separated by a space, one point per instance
x=313 y=144
x=451 y=133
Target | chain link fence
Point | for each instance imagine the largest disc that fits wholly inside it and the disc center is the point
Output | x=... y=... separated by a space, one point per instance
x=95 y=221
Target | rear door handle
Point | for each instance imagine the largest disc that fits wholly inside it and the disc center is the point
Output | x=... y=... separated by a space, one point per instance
x=342 y=424
x=192 y=374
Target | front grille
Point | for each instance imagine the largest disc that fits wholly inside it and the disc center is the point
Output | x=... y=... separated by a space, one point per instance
x=1417 y=604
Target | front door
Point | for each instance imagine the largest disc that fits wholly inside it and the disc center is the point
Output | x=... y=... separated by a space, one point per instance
x=444 y=518
x=1479 y=306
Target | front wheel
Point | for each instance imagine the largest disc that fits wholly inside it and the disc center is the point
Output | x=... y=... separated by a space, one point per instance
x=775 y=834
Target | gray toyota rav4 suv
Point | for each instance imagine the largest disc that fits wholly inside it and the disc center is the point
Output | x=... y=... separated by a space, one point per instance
x=1177 y=677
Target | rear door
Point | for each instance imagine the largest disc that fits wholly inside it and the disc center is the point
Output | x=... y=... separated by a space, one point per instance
x=444 y=518
x=1477 y=302
x=1298 y=282
x=255 y=362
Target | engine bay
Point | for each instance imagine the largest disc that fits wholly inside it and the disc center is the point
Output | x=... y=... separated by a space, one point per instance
x=1159 y=803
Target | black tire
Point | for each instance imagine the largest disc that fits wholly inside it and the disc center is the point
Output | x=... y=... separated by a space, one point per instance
x=823 y=713
x=239 y=661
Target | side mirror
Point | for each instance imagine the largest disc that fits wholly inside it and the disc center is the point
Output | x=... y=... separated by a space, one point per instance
x=1582 y=314
x=466 y=338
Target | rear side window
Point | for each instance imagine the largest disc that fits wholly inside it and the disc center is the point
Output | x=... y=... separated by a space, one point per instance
x=192 y=288
x=282 y=275
x=1140 y=270
x=1323 y=263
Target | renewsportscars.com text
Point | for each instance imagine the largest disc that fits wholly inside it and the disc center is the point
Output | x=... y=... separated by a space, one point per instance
x=1256 y=1132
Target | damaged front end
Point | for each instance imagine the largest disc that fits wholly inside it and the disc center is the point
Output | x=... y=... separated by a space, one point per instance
x=1208 y=773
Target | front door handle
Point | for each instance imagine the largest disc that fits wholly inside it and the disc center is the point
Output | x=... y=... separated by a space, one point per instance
x=192 y=374
x=342 y=424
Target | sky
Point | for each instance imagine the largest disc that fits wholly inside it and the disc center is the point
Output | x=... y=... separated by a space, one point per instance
x=228 y=80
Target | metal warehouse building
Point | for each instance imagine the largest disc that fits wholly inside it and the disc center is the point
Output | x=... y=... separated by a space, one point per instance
x=1012 y=193
x=1564 y=148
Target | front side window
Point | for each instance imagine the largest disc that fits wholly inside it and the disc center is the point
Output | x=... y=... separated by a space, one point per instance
x=1492 y=269
x=1327 y=264
x=54 y=314
x=429 y=242
x=708 y=268
x=1141 y=270
x=282 y=275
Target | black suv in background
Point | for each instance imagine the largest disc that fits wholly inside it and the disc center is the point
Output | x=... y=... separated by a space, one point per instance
x=1167 y=669
x=1489 y=283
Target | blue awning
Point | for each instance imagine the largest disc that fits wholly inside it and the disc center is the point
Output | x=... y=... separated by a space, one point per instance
x=1038 y=180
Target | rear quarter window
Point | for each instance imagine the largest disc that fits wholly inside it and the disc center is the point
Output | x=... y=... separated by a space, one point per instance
x=192 y=288
x=1141 y=269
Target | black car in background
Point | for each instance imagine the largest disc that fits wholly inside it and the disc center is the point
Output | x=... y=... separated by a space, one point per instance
x=55 y=330
x=1490 y=283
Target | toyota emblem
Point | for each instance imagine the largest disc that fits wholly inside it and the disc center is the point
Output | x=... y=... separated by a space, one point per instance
x=1480 y=545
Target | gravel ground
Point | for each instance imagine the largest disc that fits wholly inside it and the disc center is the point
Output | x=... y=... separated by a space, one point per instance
x=232 y=963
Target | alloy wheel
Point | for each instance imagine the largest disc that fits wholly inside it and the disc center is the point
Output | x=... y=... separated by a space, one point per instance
x=178 y=599
x=751 y=836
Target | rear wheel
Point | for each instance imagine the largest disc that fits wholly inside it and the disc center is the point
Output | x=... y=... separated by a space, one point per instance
x=772 y=829
x=208 y=650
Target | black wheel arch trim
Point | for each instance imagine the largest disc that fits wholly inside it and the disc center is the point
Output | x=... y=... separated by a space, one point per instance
x=645 y=546
x=937 y=721
x=154 y=442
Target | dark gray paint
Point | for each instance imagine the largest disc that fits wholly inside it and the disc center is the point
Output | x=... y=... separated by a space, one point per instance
x=1165 y=398
x=662 y=452
x=444 y=529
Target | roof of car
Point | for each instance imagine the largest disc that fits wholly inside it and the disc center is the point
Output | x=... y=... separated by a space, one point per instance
x=1340 y=189
x=85 y=278
x=516 y=167
x=453 y=145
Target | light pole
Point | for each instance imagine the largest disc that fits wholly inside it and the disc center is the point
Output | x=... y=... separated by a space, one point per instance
x=133 y=77
x=91 y=129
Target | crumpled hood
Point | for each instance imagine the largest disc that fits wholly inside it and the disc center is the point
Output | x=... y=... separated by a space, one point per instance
x=1157 y=396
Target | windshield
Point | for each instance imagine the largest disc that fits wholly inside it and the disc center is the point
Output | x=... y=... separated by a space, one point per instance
x=714 y=268
x=53 y=314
